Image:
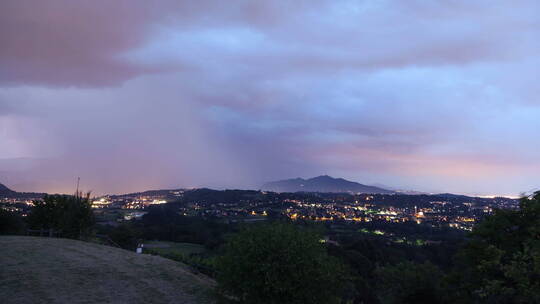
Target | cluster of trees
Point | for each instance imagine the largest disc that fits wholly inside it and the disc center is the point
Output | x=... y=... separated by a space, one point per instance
x=164 y=223
x=501 y=261
x=11 y=223
x=498 y=263
x=290 y=263
x=279 y=263
x=68 y=216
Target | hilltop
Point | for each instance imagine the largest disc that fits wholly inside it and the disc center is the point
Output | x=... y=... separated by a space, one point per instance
x=38 y=270
x=6 y=192
x=323 y=183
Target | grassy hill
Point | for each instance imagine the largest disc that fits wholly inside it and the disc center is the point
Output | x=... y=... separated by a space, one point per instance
x=50 y=270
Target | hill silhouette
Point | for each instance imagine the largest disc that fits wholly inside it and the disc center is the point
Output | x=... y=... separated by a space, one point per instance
x=323 y=183
x=6 y=192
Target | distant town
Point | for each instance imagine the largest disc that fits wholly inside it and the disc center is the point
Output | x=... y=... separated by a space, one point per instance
x=442 y=210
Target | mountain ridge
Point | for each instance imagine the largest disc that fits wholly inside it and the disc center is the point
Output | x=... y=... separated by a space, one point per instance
x=322 y=183
x=7 y=192
x=4 y=190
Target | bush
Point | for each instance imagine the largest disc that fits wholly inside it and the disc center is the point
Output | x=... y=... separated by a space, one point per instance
x=125 y=236
x=279 y=263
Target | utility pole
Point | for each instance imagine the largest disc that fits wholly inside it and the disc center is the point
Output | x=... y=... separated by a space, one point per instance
x=77 y=191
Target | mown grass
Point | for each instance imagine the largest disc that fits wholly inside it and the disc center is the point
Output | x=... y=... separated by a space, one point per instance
x=50 y=270
x=194 y=255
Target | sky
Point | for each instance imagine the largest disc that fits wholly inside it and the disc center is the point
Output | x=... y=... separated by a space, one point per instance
x=129 y=95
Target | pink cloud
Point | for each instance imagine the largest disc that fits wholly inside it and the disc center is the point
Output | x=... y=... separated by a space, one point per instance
x=70 y=43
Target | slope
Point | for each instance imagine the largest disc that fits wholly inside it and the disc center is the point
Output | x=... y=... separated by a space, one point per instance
x=49 y=270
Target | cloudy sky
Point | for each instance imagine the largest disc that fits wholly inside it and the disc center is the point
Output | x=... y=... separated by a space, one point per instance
x=437 y=96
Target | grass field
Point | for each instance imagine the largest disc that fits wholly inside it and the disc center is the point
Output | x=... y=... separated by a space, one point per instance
x=50 y=270
x=172 y=247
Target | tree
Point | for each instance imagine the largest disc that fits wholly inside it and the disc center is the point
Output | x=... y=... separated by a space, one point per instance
x=10 y=222
x=409 y=282
x=501 y=262
x=125 y=236
x=279 y=263
x=71 y=215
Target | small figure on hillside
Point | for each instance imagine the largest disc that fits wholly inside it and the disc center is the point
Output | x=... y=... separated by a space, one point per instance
x=140 y=247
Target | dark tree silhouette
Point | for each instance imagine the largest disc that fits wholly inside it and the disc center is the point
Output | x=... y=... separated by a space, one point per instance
x=501 y=262
x=71 y=215
x=11 y=222
x=279 y=263
x=409 y=282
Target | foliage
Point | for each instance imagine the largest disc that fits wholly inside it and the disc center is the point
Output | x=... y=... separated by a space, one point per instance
x=125 y=236
x=409 y=282
x=164 y=223
x=279 y=263
x=11 y=222
x=199 y=262
x=71 y=215
x=359 y=286
x=501 y=263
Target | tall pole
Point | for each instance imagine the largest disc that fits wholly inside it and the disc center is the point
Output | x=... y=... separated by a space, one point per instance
x=77 y=191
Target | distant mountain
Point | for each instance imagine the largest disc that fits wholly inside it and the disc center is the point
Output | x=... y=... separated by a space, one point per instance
x=322 y=183
x=451 y=195
x=6 y=192
x=399 y=191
